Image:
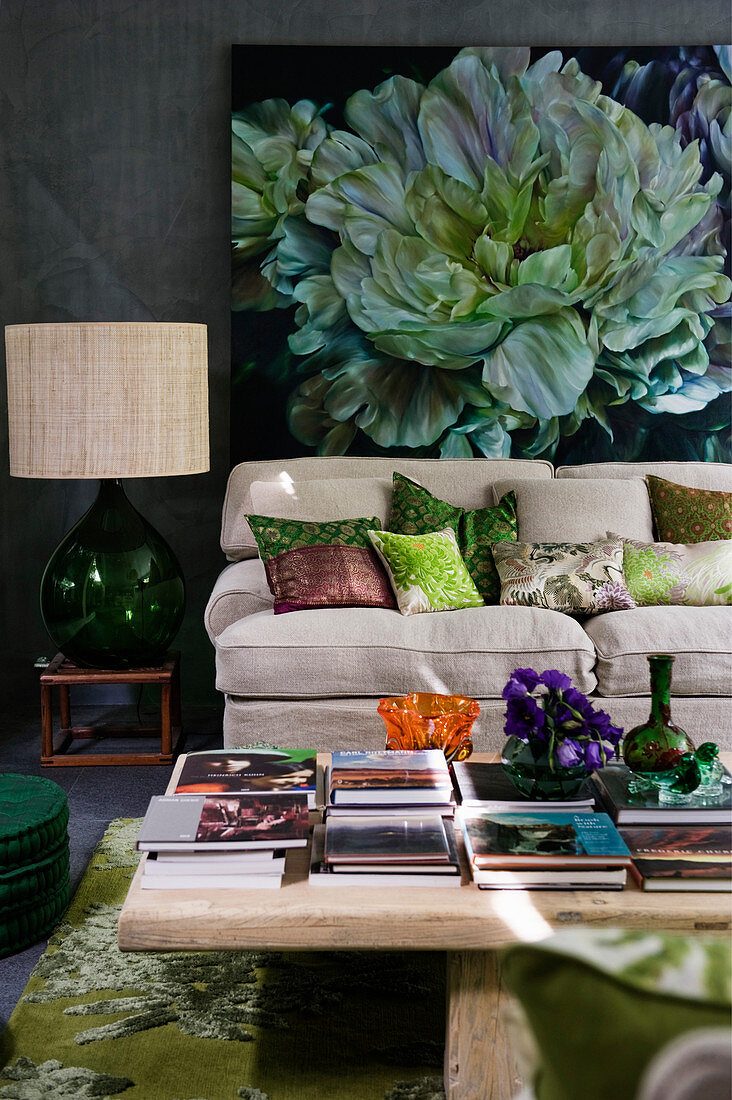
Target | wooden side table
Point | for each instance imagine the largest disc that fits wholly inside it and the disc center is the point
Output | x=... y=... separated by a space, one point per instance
x=63 y=675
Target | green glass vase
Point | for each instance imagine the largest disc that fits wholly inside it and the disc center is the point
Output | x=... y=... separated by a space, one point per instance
x=658 y=752
x=112 y=595
x=535 y=776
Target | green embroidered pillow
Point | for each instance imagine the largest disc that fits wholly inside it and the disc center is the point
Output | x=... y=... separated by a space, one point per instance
x=275 y=536
x=601 y=1003
x=684 y=515
x=697 y=575
x=580 y=578
x=427 y=571
x=415 y=511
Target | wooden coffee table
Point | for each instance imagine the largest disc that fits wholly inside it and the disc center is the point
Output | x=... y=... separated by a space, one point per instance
x=469 y=924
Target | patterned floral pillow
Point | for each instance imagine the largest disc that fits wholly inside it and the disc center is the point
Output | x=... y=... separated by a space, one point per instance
x=427 y=572
x=580 y=578
x=415 y=511
x=683 y=515
x=696 y=575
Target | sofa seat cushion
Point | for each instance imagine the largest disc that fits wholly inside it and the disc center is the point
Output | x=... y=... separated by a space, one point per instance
x=700 y=637
x=371 y=652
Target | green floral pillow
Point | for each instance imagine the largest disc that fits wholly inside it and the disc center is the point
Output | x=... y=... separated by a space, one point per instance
x=580 y=578
x=427 y=572
x=600 y=1003
x=415 y=511
x=698 y=575
x=683 y=515
x=275 y=536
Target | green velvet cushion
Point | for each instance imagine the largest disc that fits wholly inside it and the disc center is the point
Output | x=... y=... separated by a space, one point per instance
x=415 y=511
x=274 y=536
x=426 y=572
x=600 y=1003
x=682 y=514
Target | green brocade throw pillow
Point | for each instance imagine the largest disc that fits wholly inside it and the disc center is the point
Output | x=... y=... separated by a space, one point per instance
x=427 y=571
x=601 y=1003
x=683 y=515
x=275 y=536
x=415 y=511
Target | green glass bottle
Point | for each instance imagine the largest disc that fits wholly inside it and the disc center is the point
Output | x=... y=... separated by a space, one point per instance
x=658 y=752
x=112 y=595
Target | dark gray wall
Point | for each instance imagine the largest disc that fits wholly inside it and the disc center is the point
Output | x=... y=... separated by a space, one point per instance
x=114 y=205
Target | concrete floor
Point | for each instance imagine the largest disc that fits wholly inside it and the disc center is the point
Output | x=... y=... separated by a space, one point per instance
x=96 y=794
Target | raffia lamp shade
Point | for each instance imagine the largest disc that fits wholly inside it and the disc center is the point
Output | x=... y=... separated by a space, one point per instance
x=107 y=399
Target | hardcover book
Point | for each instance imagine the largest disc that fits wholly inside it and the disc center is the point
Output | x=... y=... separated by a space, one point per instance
x=381 y=777
x=249 y=771
x=488 y=786
x=211 y=882
x=604 y=878
x=261 y=861
x=395 y=876
x=189 y=822
x=612 y=786
x=681 y=857
x=543 y=839
x=386 y=839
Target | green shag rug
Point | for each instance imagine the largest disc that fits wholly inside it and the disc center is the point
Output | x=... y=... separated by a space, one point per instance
x=94 y=1022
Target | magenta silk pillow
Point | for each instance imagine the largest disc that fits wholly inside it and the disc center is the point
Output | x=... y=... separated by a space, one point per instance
x=328 y=576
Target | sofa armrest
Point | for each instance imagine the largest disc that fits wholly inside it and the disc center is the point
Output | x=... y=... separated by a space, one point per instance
x=240 y=590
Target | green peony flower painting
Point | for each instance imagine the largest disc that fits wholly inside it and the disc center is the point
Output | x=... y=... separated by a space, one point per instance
x=481 y=252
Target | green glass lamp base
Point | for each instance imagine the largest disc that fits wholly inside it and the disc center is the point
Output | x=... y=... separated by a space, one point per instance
x=112 y=595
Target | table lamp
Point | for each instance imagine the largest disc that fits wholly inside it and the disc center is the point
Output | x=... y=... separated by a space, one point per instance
x=109 y=400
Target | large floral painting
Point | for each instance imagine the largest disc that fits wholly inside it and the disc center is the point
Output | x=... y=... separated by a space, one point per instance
x=481 y=252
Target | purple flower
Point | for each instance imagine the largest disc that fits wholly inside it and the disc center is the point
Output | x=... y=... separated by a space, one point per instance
x=569 y=753
x=525 y=719
x=521 y=682
x=555 y=680
x=545 y=710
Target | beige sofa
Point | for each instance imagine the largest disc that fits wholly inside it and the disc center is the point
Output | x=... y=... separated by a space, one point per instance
x=315 y=677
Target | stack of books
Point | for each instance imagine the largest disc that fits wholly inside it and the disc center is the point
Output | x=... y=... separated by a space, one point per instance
x=411 y=783
x=545 y=849
x=674 y=847
x=229 y=821
x=385 y=850
x=388 y=821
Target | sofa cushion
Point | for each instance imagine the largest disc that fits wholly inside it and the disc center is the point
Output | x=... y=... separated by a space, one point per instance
x=427 y=572
x=579 y=578
x=601 y=1002
x=685 y=514
x=328 y=576
x=697 y=575
x=240 y=590
x=701 y=638
x=467 y=481
x=702 y=475
x=579 y=511
x=416 y=511
x=323 y=498
x=371 y=652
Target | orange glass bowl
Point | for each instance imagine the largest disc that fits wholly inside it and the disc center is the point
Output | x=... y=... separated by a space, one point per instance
x=426 y=721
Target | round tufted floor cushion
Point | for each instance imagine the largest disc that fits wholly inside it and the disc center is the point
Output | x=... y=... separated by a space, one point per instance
x=34 y=859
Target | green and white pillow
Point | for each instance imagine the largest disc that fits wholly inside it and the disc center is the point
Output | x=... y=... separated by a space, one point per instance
x=580 y=578
x=601 y=1003
x=427 y=572
x=415 y=511
x=695 y=575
